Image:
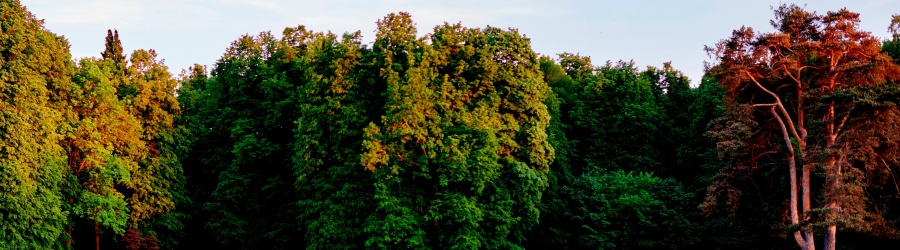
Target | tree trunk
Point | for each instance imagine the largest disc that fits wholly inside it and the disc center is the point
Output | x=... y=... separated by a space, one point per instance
x=97 y=235
x=802 y=239
x=830 y=237
x=832 y=180
x=807 y=232
x=69 y=229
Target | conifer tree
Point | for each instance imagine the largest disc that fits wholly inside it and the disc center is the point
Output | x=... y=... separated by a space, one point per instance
x=817 y=87
x=113 y=49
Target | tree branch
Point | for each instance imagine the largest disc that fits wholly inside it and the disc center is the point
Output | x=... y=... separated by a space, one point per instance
x=790 y=122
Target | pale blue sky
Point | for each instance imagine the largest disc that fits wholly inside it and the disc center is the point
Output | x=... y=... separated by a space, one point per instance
x=184 y=32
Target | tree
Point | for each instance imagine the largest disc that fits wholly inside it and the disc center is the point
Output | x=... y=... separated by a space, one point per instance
x=103 y=147
x=460 y=155
x=249 y=119
x=619 y=210
x=553 y=207
x=35 y=68
x=892 y=45
x=194 y=145
x=624 y=119
x=621 y=118
x=157 y=184
x=798 y=83
x=113 y=49
x=338 y=100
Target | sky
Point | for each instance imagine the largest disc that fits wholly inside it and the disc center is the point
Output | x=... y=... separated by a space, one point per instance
x=184 y=32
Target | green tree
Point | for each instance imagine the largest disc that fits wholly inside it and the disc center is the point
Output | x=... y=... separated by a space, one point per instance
x=892 y=45
x=594 y=107
x=336 y=103
x=460 y=155
x=551 y=231
x=620 y=120
x=35 y=67
x=194 y=146
x=250 y=120
x=622 y=210
x=677 y=146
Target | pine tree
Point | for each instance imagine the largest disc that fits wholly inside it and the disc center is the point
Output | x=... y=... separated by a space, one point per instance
x=114 y=49
x=815 y=86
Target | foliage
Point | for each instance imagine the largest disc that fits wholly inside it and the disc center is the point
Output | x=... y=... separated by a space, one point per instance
x=461 y=138
x=462 y=144
x=35 y=67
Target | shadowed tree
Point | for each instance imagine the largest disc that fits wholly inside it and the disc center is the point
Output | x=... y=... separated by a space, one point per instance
x=337 y=102
x=113 y=49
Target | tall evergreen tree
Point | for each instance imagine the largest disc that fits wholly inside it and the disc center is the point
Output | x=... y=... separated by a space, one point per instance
x=114 y=49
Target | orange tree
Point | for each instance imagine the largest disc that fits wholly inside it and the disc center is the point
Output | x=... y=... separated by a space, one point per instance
x=815 y=89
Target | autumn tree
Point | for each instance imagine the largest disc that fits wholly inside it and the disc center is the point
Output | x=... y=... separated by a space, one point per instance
x=148 y=93
x=35 y=68
x=103 y=146
x=805 y=85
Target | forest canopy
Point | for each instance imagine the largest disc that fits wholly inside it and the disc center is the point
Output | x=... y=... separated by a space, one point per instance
x=462 y=138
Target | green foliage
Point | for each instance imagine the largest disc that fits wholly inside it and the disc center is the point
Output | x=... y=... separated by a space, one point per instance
x=335 y=105
x=103 y=145
x=249 y=115
x=619 y=120
x=617 y=115
x=628 y=211
x=462 y=145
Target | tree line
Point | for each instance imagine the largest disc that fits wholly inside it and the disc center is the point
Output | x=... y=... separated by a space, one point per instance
x=463 y=138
